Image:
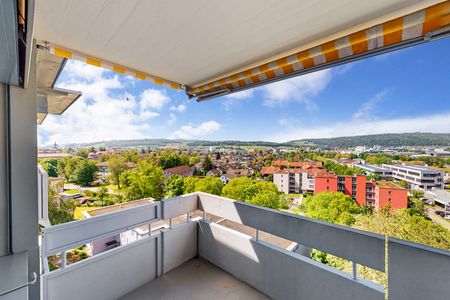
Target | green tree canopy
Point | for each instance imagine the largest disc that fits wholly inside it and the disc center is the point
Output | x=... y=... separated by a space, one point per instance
x=207 y=164
x=211 y=185
x=84 y=172
x=175 y=186
x=332 y=207
x=117 y=165
x=82 y=152
x=235 y=188
x=147 y=180
x=50 y=165
x=260 y=192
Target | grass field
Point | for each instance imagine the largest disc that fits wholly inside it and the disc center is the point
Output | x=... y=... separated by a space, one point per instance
x=78 y=213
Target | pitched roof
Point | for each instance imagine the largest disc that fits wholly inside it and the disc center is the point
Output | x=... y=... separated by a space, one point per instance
x=181 y=170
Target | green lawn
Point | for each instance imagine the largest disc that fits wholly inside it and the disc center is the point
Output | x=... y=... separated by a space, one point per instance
x=78 y=213
x=112 y=187
x=72 y=191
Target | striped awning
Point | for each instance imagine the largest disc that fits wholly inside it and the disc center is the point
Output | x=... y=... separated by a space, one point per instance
x=98 y=62
x=417 y=27
x=421 y=26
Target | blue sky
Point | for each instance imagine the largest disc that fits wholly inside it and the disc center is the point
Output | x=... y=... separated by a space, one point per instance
x=403 y=91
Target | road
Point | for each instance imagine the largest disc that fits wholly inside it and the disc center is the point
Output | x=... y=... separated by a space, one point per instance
x=436 y=218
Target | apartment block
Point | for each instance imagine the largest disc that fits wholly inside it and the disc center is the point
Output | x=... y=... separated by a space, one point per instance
x=364 y=192
x=294 y=177
x=418 y=176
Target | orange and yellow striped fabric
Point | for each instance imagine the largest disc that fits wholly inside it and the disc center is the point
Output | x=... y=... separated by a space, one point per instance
x=393 y=32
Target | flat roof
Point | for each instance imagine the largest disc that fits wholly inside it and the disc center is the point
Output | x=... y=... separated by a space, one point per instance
x=388 y=185
x=439 y=195
x=416 y=168
x=109 y=209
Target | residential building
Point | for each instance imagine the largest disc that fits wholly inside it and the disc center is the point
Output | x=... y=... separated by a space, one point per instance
x=184 y=171
x=214 y=172
x=376 y=194
x=295 y=181
x=417 y=176
x=389 y=194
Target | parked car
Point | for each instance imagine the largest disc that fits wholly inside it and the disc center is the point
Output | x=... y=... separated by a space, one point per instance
x=440 y=213
x=426 y=200
x=447 y=217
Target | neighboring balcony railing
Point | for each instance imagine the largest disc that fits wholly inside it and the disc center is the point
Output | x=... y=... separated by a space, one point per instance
x=414 y=271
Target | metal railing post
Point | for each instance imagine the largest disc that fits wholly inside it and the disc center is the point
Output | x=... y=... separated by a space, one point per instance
x=63 y=259
x=354 y=270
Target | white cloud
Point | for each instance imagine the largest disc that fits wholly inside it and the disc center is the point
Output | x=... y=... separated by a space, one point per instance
x=172 y=119
x=190 y=131
x=241 y=95
x=105 y=111
x=154 y=99
x=178 y=108
x=438 y=123
x=367 y=109
x=301 y=89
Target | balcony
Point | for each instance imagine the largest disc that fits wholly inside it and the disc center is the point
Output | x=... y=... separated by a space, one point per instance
x=202 y=258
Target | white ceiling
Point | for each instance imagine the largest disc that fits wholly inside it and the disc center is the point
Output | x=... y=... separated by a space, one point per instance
x=197 y=40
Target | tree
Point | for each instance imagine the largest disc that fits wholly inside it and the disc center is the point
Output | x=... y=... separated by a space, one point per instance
x=207 y=164
x=189 y=184
x=398 y=224
x=169 y=159
x=262 y=193
x=211 y=185
x=175 y=185
x=50 y=165
x=70 y=165
x=147 y=180
x=102 y=192
x=332 y=207
x=84 y=173
x=117 y=165
x=82 y=152
x=235 y=188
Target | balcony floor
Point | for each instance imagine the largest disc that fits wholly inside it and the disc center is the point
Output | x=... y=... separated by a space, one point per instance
x=195 y=279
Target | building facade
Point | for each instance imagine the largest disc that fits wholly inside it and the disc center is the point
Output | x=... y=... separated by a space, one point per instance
x=364 y=192
x=418 y=176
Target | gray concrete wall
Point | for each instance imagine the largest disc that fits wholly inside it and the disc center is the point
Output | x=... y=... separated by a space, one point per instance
x=417 y=272
x=179 y=245
x=276 y=272
x=176 y=206
x=359 y=246
x=108 y=275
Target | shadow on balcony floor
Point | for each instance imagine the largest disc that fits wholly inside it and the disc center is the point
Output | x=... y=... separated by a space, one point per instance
x=195 y=279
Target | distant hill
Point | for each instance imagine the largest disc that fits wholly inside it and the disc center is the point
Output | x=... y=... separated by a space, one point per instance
x=175 y=142
x=387 y=140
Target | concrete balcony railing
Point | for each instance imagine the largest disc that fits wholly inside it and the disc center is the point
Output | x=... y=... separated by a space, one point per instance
x=179 y=262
